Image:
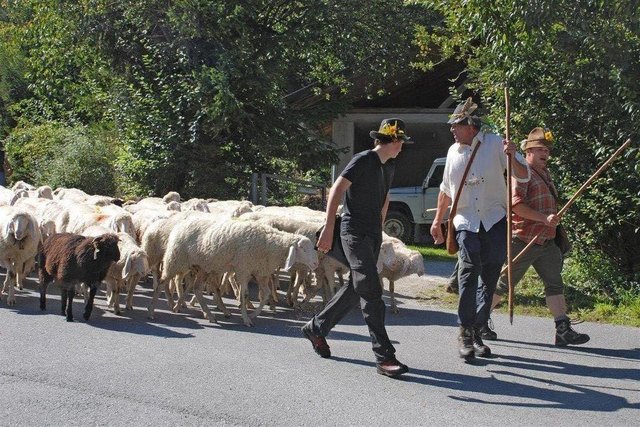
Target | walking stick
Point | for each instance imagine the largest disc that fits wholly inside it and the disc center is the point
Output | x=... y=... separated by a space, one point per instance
x=509 y=194
x=577 y=194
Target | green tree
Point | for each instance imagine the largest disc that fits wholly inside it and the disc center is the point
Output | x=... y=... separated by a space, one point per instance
x=197 y=90
x=572 y=65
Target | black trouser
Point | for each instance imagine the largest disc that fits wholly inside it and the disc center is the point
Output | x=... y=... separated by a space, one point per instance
x=362 y=251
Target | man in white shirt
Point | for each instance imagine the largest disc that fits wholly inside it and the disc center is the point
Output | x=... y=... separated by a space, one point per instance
x=480 y=220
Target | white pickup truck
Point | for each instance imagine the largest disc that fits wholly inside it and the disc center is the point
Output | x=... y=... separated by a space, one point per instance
x=412 y=209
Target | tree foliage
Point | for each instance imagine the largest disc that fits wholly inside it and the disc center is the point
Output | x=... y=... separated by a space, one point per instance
x=572 y=65
x=196 y=90
x=63 y=156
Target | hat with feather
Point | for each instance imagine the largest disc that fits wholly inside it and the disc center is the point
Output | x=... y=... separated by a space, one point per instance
x=464 y=114
x=391 y=129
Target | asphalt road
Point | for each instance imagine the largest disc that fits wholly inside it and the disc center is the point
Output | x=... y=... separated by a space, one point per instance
x=181 y=370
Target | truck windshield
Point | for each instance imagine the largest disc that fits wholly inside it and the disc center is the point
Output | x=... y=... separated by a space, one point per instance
x=436 y=177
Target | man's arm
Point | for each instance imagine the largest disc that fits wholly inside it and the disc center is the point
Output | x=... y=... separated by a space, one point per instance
x=520 y=170
x=325 y=241
x=385 y=207
x=526 y=212
x=443 y=204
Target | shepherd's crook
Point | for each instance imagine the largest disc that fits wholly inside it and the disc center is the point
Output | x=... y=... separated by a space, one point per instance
x=577 y=194
x=509 y=194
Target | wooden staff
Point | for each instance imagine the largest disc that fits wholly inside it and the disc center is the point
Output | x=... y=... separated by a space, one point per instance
x=509 y=194
x=577 y=194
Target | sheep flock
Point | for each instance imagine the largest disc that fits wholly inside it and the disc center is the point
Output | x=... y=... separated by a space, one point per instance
x=201 y=247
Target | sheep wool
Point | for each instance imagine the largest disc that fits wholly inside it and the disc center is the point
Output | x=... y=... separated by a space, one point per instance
x=244 y=248
x=72 y=259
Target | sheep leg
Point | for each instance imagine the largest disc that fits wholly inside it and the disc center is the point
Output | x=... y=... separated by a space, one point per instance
x=20 y=278
x=289 y=296
x=394 y=306
x=115 y=298
x=132 y=286
x=89 y=307
x=66 y=301
x=156 y=292
x=264 y=296
x=194 y=301
x=9 y=285
x=43 y=295
x=177 y=281
x=273 y=285
x=220 y=304
x=244 y=294
x=70 y=294
x=203 y=305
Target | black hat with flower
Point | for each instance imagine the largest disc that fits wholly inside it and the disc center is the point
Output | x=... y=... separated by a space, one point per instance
x=390 y=130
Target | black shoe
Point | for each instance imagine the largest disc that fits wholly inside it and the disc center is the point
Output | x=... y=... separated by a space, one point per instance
x=465 y=339
x=391 y=368
x=565 y=335
x=479 y=348
x=486 y=331
x=318 y=342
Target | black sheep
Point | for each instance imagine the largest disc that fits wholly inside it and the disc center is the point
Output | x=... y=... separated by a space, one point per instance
x=70 y=259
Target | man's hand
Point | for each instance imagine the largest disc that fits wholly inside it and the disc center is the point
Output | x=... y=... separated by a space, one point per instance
x=436 y=233
x=325 y=241
x=509 y=147
x=552 y=220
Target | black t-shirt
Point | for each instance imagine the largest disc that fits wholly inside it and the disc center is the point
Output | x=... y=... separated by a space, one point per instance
x=370 y=182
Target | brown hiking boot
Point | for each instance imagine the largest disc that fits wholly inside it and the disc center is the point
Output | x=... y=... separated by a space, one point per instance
x=318 y=342
x=565 y=334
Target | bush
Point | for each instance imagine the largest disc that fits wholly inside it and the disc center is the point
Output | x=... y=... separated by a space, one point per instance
x=62 y=156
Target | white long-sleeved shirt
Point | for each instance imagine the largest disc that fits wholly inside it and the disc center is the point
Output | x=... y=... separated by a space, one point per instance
x=484 y=197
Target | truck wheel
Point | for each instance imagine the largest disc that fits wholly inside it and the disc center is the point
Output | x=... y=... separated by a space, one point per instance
x=396 y=224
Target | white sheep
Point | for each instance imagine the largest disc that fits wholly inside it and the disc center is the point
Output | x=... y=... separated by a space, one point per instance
x=19 y=239
x=126 y=273
x=143 y=218
x=21 y=185
x=194 y=205
x=38 y=207
x=74 y=194
x=230 y=208
x=113 y=217
x=245 y=248
x=154 y=243
x=9 y=197
x=404 y=262
x=43 y=192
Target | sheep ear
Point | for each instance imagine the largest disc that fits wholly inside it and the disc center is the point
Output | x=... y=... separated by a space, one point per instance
x=95 y=247
x=291 y=258
x=32 y=228
x=8 y=229
x=126 y=270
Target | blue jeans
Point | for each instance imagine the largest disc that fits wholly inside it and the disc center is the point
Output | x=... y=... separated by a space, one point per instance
x=481 y=256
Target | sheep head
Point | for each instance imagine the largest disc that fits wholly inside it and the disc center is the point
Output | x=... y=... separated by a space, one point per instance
x=20 y=226
x=106 y=247
x=302 y=252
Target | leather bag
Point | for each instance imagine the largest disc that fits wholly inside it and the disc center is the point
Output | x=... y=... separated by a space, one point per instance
x=562 y=240
x=336 y=252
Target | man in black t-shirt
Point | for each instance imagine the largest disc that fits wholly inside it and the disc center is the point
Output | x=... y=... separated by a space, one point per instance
x=364 y=185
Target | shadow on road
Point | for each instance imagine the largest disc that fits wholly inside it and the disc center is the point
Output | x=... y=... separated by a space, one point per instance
x=563 y=396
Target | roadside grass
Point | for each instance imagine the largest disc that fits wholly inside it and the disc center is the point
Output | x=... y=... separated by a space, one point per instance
x=530 y=300
x=434 y=253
